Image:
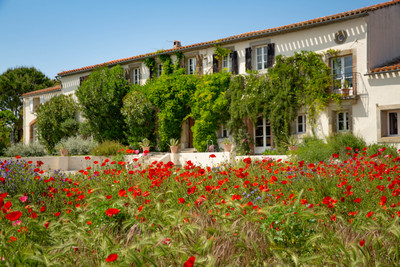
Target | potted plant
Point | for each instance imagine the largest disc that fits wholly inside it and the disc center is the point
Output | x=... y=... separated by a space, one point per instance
x=292 y=143
x=63 y=150
x=227 y=145
x=145 y=144
x=173 y=145
x=346 y=88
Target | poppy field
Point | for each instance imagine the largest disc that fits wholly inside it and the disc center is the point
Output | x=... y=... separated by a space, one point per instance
x=252 y=214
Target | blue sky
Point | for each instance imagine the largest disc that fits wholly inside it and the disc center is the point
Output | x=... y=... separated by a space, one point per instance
x=56 y=35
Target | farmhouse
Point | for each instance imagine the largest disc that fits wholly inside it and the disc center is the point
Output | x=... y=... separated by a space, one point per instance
x=365 y=68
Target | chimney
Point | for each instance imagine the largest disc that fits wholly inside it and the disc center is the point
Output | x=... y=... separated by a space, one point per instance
x=177 y=44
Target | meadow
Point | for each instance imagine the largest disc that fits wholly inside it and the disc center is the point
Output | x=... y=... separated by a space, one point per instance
x=256 y=213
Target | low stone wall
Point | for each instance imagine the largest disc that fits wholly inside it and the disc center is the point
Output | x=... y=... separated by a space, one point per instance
x=75 y=163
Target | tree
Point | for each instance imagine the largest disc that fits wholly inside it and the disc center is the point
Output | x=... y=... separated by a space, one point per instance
x=139 y=115
x=15 y=82
x=100 y=97
x=7 y=119
x=56 y=119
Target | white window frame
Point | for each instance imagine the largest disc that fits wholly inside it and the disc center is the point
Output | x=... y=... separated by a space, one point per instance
x=302 y=124
x=342 y=73
x=227 y=62
x=397 y=112
x=159 y=70
x=261 y=57
x=136 y=76
x=346 y=121
x=192 y=62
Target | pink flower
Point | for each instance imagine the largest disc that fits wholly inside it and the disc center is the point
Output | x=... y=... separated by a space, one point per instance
x=17 y=222
x=23 y=199
x=244 y=140
x=136 y=151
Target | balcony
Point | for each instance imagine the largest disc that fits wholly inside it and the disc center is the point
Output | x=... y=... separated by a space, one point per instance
x=346 y=84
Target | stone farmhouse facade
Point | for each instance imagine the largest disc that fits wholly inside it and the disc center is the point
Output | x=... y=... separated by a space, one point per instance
x=366 y=67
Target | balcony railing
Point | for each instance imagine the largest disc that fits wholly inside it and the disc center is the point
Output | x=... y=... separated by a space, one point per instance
x=345 y=84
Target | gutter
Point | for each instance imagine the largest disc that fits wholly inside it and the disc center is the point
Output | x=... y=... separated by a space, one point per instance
x=231 y=41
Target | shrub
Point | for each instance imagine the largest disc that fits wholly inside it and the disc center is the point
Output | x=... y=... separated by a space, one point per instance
x=313 y=149
x=242 y=142
x=385 y=149
x=139 y=115
x=100 y=97
x=32 y=150
x=56 y=120
x=340 y=142
x=77 y=145
x=108 y=148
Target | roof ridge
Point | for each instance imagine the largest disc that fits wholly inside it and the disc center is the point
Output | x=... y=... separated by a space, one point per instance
x=244 y=35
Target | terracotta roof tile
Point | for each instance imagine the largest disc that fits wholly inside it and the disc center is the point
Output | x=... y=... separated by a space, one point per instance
x=251 y=34
x=42 y=91
x=391 y=67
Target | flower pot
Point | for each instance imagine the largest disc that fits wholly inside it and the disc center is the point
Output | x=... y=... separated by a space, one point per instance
x=64 y=152
x=345 y=91
x=227 y=147
x=174 y=149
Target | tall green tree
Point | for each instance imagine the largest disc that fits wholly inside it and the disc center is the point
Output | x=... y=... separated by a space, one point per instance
x=56 y=119
x=15 y=82
x=100 y=97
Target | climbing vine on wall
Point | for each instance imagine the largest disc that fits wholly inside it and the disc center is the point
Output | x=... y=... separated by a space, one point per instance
x=300 y=81
x=209 y=108
x=221 y=52
x=166 y=60
x=150 y=63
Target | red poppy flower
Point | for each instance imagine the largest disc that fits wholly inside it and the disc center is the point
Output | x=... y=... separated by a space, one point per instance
x=182 y=200
x=166 y=241
x=335 y=155
x=362 y=242
x=13 y=216
x=122 y=192
x=57 y=214
x=333 y=218
x=111 y=212
x=189 y=262
x=87 y=158
x=108 y=197
x=212 y=156
x=369 y=214
x=43 y=209
x=46 y=224
x=112 y=257
x=18 y=157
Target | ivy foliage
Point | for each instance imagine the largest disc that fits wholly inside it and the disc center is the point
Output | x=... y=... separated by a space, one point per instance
x=300 y=81
x=100 y=97
x=139 y=115
x=208 y=107
x=167 y=67
x=56 y=119
x=171 y=95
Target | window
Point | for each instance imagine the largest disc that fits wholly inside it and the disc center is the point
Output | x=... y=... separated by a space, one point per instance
x=159 y=70
x=393 y=122
x=136 y=76
x=301 y=124
x=343 y=121
x=342 y=72
x=262 y=57
x=34 y=103
x=227 y=62
x=224 y=132
x=192 y=65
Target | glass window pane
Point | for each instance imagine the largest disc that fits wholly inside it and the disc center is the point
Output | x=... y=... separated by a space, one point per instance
x=259 y=131
x=260 y=141
x=393 y=123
